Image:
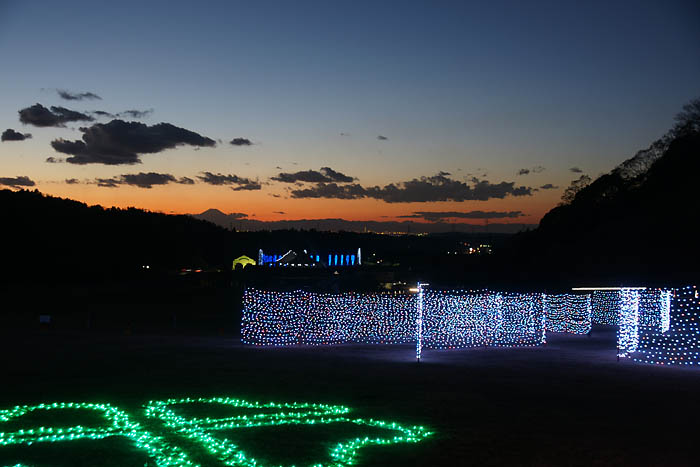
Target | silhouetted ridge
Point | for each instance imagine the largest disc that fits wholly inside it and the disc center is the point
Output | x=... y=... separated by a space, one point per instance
x=49 y=236
x=637 y=223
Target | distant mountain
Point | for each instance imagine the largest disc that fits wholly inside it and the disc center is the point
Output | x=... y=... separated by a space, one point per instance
x=239 y=222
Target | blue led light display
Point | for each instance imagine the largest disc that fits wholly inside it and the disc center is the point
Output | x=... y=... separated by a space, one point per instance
x=568 y=313
x=679 y=344
x=451 y=319
x=460 y=319
x=605 y=307
x=628 y=329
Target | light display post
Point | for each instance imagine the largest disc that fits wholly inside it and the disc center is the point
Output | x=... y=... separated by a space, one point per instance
x=419 y=320
x=628 y=330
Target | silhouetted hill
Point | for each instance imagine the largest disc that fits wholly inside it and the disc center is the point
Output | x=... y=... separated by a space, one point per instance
x=50 y=237
x=240 y=222
x=640 y=222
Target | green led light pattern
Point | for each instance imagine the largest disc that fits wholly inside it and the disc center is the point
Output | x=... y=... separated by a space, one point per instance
x=342 y=454
x=199 y=429
x=163 y=453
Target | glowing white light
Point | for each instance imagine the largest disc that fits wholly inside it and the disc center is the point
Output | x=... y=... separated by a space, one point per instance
x=628 y=332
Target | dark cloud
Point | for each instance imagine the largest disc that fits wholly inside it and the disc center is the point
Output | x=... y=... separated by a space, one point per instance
x=124 y=114
x=120 y=142
x=576 y=170
x=102 y=113
x=142 y=180
x=279 y=212
x=251 y=186
x=40 y=116
x=548 y=186
x=17 y=182
x=237 y=183
x=77 y=96
x=325 y=175
x=108 y=182
x=434 y=216
x=425 y=189
x=147 y=179
x=12 y=135
x=332 y=190
x=72 y=181
x=536 y=169
x=241 y=142
x=382 y=138
x=133 y=113
x=54 y=160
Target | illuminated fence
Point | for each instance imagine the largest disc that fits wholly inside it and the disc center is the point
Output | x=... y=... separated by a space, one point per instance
x=289 y=318
x=459 y=319
x=568 y=313
x=680 y=343
x=452 y=319
x=654 y=306
x=605 y=307
x=654 y=309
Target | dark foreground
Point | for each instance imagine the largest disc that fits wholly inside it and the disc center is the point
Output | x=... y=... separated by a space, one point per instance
x=569 y=403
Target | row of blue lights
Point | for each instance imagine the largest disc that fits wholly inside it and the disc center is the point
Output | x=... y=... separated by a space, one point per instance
x=333 y=259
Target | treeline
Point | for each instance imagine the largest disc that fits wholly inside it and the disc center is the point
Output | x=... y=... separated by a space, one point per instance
x=49 y=237
x=637 y=224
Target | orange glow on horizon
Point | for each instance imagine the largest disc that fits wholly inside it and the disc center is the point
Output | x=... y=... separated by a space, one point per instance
x=263 y=206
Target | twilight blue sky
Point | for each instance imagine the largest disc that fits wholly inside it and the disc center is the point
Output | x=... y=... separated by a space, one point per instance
x=463 y=87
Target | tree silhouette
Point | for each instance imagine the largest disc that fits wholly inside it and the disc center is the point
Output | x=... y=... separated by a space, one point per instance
x=577 y=185
x=688 y=119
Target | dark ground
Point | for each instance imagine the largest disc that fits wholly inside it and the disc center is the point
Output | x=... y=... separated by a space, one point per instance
x=569 y=403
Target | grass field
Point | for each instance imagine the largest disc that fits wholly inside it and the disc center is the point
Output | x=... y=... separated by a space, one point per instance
x=569 y=403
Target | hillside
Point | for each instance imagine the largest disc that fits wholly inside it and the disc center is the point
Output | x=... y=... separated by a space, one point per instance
x=50 y=237
x=637 y=223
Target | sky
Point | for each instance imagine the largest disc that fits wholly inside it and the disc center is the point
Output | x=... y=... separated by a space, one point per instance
x=429 y=111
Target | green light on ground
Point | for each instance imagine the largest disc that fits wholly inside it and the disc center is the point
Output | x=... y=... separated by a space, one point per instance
x=204 y=430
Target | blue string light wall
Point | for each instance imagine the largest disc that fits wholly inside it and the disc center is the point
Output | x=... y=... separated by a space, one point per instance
x=292 y=318
x=654 y=308
x=568 y=313
x=605 y=307
x=450 y=319
x=460 y=319
x=680 y=344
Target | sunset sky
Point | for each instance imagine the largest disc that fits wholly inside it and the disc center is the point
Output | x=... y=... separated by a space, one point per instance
x=354 y=110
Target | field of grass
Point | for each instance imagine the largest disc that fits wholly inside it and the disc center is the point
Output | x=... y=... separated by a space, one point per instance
x=569 y=403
